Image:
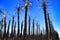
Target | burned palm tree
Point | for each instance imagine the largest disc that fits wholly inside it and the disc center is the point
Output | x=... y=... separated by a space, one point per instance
x=5 y=35
x=14 y=34
x=11 y=35
x=29 y=28
x=44 y=9
x=21 y=29
x=18 y=33
x=8 y=30
x=25 y=22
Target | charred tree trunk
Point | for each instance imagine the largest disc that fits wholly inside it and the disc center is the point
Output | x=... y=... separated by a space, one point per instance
x=21 y=29
x=25 y=22
x=8 y=30
x=15 y=31
x=18 y=9
x=44 y=8
x=18 y=33
x=4 y=35
x=11 y=35
x=4 y=24
x=29 y=28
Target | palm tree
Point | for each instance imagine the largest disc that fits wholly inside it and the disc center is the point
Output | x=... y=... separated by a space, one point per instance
x=29 y=28
x=25 y=22
x=18 y=13
x=11 y=35
x=8 y=30
x=5 y=35
x=14 y=34
x=45 y=15
x=21 y=29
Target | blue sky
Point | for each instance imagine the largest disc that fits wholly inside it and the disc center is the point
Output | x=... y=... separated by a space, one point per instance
x=35 y=11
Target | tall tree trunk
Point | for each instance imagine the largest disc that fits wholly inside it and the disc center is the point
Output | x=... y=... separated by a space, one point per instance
x=18 y=13
x=44 y=8
x=25 y=22
x=8 y=30
x=21 y=29
x=15 y=31
x=4 y=35
x=18 y=10
x=29 y=28
x=4 y=23
x=11 y=35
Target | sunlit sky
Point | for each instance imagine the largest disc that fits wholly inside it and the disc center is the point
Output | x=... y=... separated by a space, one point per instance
x=35 y=11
